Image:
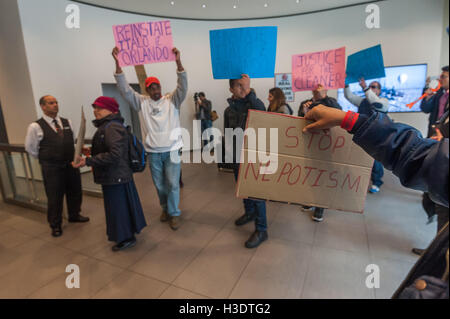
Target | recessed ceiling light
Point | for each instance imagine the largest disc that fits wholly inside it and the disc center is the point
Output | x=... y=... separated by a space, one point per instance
x=203 y=5
x=235 y=6
x=265 y=5
x=298 y=1
x=172 y=2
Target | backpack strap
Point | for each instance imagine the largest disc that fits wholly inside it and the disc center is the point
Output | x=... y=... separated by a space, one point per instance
x=114 y=121
x=291 y=112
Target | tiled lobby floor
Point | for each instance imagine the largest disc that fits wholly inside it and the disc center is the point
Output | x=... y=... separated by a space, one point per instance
x=206 y=257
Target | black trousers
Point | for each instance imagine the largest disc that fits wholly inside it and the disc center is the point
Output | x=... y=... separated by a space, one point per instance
x=431 y=208
x=60 y=180
x=442 y=216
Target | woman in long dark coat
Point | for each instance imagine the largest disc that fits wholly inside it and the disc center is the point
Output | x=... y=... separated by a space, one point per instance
x=110 y=162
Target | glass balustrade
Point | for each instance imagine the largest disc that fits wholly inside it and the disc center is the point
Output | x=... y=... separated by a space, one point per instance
x=21 y=180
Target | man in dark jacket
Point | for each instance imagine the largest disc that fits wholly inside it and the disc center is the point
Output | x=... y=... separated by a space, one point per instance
x=320 y=97
x=421 y=164
x=441 y=130
x=436 y=103
x=235 y=117
x=51 y=140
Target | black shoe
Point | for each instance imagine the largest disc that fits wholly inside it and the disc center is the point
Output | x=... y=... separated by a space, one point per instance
x=256 y=238
x=56 y=232
x=418 y=251
x=125 y=244
x=79 y=219
x=244 y=219
x=317 y=216
x=307 y=208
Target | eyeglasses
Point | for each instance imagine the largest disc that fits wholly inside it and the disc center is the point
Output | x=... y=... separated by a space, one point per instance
x=374 y=87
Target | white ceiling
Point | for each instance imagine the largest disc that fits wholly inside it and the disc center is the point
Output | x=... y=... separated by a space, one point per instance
x=221 y=9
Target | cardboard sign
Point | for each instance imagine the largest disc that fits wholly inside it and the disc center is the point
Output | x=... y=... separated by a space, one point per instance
x=367 y=64
x=144 y=43
x=80 y=139
x=284 y=82
x=323 y=168
x=325 y=67
x=240 y=51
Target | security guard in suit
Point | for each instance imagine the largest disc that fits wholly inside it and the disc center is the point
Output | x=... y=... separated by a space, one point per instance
x=50 y=139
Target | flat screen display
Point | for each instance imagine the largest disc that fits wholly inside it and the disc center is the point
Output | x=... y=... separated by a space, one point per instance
x=402 y=85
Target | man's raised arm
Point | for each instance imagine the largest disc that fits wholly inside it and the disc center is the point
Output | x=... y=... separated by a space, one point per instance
x=352 y=98
x=131 y=96
x=180 y=92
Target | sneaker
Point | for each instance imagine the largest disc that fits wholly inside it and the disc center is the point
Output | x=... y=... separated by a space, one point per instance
x=244 y=219
x=174 y=222
x=307 y=209
x=317 y=216
x=374 y=189
x=164 y=217
x=256 y=239
x=125 y=244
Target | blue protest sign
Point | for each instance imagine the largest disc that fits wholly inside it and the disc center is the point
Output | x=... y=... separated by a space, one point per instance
x=240 y=51
x=367 y=64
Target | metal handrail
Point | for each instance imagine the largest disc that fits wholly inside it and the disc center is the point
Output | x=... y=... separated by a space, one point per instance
x=17 y=148
x=20 y=148
x=33 y=202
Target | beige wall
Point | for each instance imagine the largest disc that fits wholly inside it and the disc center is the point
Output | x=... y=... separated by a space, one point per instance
x=16 y=94
x=72 y=64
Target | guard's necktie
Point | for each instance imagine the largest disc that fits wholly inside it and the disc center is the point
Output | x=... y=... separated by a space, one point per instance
x=58 y=128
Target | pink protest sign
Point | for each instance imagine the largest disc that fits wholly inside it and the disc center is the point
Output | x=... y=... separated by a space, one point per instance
x=325 y=67
x=144 y=43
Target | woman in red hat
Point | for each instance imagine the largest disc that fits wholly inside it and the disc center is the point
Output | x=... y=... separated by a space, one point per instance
x=110 y=162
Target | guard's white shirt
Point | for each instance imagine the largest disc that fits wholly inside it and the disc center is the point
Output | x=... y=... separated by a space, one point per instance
x=35 y=134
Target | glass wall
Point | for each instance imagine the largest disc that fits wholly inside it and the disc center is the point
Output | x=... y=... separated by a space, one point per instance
x=21 y=179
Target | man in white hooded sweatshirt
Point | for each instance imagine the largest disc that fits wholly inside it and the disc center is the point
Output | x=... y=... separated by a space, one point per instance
x=161 y=116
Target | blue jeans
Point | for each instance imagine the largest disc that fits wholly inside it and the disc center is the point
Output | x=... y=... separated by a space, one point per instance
x=166 y=177
x=377 y=174
x=206 y=124
x=254 y=207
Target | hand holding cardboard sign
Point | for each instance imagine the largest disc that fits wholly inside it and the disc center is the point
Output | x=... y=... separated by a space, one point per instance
x=115 y=54
x=362 y=83
x=245 y=82
x=79 y=162
x=324 y=118
x=177 y=54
